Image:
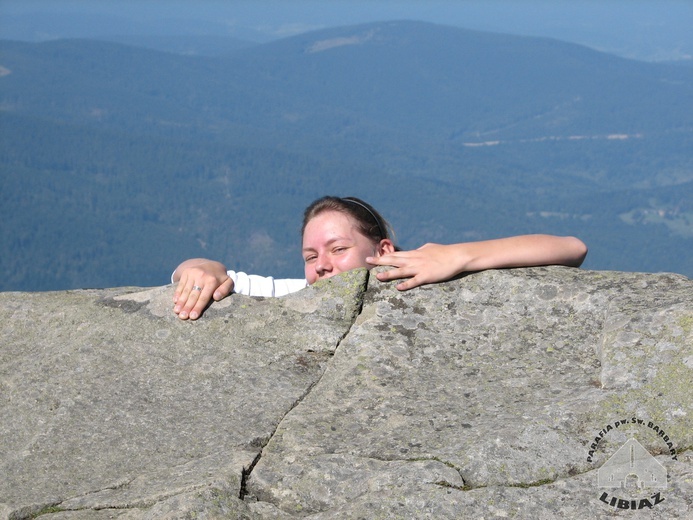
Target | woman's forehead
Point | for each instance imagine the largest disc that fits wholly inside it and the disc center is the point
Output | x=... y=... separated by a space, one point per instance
x=330 y=223
x=331 y=219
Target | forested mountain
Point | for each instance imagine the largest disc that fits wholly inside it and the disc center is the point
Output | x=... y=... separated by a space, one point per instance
x=118 y=162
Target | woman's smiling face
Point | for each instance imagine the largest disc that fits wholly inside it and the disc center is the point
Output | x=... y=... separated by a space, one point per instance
x=332 y=244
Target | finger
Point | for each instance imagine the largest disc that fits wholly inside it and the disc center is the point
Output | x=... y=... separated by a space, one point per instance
x=179 y=287
x=202 y=302
x=409 y=284
x=395 y=274
x=386 y=276
x=388 y=258
x=376 y=260
x=189 y=296
x=400 y=260
x=184 y=291
x=223 y=290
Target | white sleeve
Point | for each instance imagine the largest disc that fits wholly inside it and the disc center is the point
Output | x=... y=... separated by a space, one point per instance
x=254 y=285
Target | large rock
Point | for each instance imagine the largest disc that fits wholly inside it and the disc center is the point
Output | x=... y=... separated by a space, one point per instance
x=500 y=394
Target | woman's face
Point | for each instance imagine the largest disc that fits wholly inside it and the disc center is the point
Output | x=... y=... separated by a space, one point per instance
x=332 y=244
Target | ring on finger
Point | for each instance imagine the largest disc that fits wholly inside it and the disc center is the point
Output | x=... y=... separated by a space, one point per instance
x=196 y=288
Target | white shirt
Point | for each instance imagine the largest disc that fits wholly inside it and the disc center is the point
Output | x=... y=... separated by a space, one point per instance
x=254 y=285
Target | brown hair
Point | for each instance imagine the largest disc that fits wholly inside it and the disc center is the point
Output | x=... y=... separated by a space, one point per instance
x=370 y=223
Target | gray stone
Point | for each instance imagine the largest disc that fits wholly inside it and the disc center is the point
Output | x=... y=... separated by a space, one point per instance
x=108 y=401
x=499 y=394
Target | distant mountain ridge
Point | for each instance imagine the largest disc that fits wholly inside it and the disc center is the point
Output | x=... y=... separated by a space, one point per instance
x=491 y=131
x=466 y=70
x=459 y=62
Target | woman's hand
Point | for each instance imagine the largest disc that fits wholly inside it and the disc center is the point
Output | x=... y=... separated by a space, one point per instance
x=199 y=281
x=433 y=263
x=430 y=263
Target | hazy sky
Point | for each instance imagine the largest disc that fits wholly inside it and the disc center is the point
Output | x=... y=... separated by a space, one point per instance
x=646 y=29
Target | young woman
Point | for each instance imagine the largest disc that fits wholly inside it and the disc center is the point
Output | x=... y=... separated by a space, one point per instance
x=340 y=234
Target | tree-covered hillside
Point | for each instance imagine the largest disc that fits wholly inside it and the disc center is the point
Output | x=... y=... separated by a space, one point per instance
x=118 y=162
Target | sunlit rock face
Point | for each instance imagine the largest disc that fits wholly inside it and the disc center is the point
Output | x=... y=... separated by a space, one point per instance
x=503 y=393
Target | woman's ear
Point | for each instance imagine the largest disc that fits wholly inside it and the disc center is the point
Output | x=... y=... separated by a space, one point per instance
x=386 y=246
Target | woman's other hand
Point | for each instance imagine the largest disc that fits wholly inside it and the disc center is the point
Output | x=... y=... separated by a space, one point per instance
x=430 y=263
x=199 y=281
x=434 y=263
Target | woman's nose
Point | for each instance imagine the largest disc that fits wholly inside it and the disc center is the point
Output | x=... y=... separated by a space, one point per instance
x=323 y=265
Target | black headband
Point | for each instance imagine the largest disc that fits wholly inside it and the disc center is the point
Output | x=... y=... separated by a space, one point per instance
x=370 y=211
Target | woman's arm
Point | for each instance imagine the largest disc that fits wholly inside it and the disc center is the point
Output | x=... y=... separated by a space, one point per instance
x=433 y=263
x=215 y=282
x=199 y=281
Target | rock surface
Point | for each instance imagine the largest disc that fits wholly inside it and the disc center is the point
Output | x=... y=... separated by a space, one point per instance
x=500 y=394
